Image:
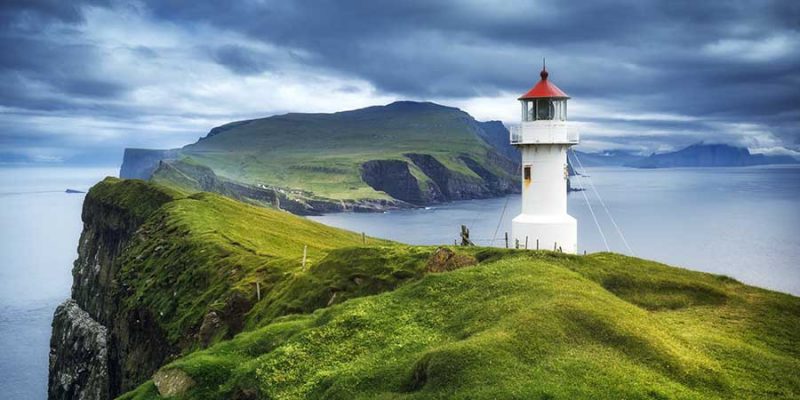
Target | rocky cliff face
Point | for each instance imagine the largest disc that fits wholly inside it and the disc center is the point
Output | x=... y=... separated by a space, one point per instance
x=91 y=356
x=395 y=178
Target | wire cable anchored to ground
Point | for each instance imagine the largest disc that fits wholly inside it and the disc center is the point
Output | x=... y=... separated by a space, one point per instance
x=582 y=173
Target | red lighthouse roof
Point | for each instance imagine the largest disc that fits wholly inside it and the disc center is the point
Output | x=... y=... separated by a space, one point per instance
x=544 y=88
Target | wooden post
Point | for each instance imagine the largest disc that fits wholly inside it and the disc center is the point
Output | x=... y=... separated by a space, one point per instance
x=584 y=252
x=526 y=243
x=258 y=291
x=363 y=238
x=537 y=244
x=516 y=243
x=305 y=251
x=555 y=246
x=506 y=239
x=465 y=240
x=559 y=249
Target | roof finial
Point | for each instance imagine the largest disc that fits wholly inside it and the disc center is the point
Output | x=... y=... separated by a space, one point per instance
x=544 y=73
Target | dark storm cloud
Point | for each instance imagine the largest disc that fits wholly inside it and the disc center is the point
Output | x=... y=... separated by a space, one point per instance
x=43 y=10
x=717 y=65
x=241 y=60
x=39 y=72
x=733 y=60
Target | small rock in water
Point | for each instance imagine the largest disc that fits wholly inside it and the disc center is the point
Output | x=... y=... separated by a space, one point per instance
x=73 y=191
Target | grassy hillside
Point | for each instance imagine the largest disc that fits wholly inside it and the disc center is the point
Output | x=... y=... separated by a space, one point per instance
x=325 y=155
x=204 y=252
x=384 y=320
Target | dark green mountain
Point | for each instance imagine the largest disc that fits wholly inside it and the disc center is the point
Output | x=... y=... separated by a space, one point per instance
x=401 y=154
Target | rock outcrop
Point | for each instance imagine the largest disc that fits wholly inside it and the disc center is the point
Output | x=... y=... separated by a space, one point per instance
x=78 y=355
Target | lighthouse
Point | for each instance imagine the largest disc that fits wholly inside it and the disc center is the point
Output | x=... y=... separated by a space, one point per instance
x=543 y=137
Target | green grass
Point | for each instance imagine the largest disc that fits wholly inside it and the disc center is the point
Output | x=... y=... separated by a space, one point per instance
x=205 y=253
x=369 y=321
x=323 y=153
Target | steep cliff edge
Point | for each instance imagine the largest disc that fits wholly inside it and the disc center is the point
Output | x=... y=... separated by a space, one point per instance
x=161 y=273
x=85 y=359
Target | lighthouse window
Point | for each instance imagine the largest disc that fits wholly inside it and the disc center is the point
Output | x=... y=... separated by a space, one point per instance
x=528 y=111
x=526 y=173
x=544 y=109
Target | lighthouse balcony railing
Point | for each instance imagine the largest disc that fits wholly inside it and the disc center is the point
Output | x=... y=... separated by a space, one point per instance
x=543 y=133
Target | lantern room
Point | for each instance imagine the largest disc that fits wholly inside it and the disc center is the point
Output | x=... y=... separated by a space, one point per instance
x=544 y=102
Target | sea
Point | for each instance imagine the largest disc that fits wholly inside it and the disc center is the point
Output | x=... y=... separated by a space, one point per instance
x=739 y=222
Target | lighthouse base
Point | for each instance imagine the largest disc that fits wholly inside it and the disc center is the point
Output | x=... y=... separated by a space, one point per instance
x=553 y=232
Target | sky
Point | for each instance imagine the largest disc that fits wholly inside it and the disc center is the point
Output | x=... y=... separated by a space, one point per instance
x=81 y=80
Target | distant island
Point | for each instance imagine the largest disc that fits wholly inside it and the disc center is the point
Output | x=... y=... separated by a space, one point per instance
x=709 y=155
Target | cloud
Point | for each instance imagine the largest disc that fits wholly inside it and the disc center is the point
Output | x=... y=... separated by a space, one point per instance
x=643 y=75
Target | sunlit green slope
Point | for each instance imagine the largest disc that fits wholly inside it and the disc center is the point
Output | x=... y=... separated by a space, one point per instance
x=384 y=320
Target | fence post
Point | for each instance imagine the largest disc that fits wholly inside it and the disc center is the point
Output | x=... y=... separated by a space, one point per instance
x=537 y=244
x=506 y=239
x=526 y=243
x=555 y=246
x=516 y=243
x=305 y=251
x=363 y=238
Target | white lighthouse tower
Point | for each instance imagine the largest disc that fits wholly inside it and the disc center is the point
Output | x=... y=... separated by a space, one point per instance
x=543 y=138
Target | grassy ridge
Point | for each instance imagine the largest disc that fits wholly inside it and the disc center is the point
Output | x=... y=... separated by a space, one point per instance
x=520 y=326
x=371 y=320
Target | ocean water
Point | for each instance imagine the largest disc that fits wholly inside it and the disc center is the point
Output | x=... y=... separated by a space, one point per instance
x=741 y=222
x=39 y=229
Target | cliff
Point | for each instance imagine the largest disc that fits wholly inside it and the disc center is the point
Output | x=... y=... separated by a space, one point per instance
x=88 y=349
x=203 y=297
x=160 y=274
x=142 y=163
